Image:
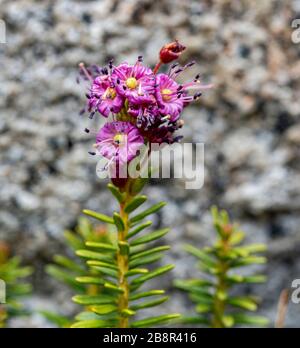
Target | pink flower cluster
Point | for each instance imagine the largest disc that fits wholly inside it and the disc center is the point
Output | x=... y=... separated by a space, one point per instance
x=144 y=106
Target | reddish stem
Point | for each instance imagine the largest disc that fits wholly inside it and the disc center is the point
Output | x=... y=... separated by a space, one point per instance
x=156 y=68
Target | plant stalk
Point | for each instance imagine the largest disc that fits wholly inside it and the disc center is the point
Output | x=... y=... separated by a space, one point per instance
x=219 y=304
x=157 y=67
x=123 y=261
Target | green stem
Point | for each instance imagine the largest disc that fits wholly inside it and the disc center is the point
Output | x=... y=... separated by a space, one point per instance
x=219 y=304
x=123 y=261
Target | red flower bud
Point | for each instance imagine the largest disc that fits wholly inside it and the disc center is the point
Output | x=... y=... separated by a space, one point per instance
x=171 y=52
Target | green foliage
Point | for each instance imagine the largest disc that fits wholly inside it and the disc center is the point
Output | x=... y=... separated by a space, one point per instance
x=214 y=304
x=73 y=271
x=13 y=274
x=119 y=266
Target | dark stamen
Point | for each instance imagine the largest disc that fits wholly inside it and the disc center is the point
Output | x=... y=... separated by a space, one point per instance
x=92 y=153
x=197 y=95
x=92 y=115
x=188 y=65
x=86 y=130
x=104 y=71
x=177 y=139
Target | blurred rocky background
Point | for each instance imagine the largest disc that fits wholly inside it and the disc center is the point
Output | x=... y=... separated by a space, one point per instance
x=249 y=123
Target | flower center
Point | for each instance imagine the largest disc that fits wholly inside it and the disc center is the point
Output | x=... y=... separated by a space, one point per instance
x=110 y=93
x=166 y=94
x=131 y=82
x=118 y=139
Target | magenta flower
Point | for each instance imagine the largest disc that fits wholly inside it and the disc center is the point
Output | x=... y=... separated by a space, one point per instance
x=145 y=106
x=167 y=97
x=134 y=82
x=104 y=97
x=119 y=141
x=172 y=97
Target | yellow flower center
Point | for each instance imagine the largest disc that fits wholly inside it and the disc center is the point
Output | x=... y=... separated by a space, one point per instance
x=110 y=93
x=166 y=94
x=131 y=82
x=118 y=139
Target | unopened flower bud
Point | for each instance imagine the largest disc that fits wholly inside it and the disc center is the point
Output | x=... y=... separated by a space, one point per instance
x=171 y=52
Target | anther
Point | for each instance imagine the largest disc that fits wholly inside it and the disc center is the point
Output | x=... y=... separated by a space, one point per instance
x=197 y=95
x=188 y=65
x=104 y=71
x=91 y=116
